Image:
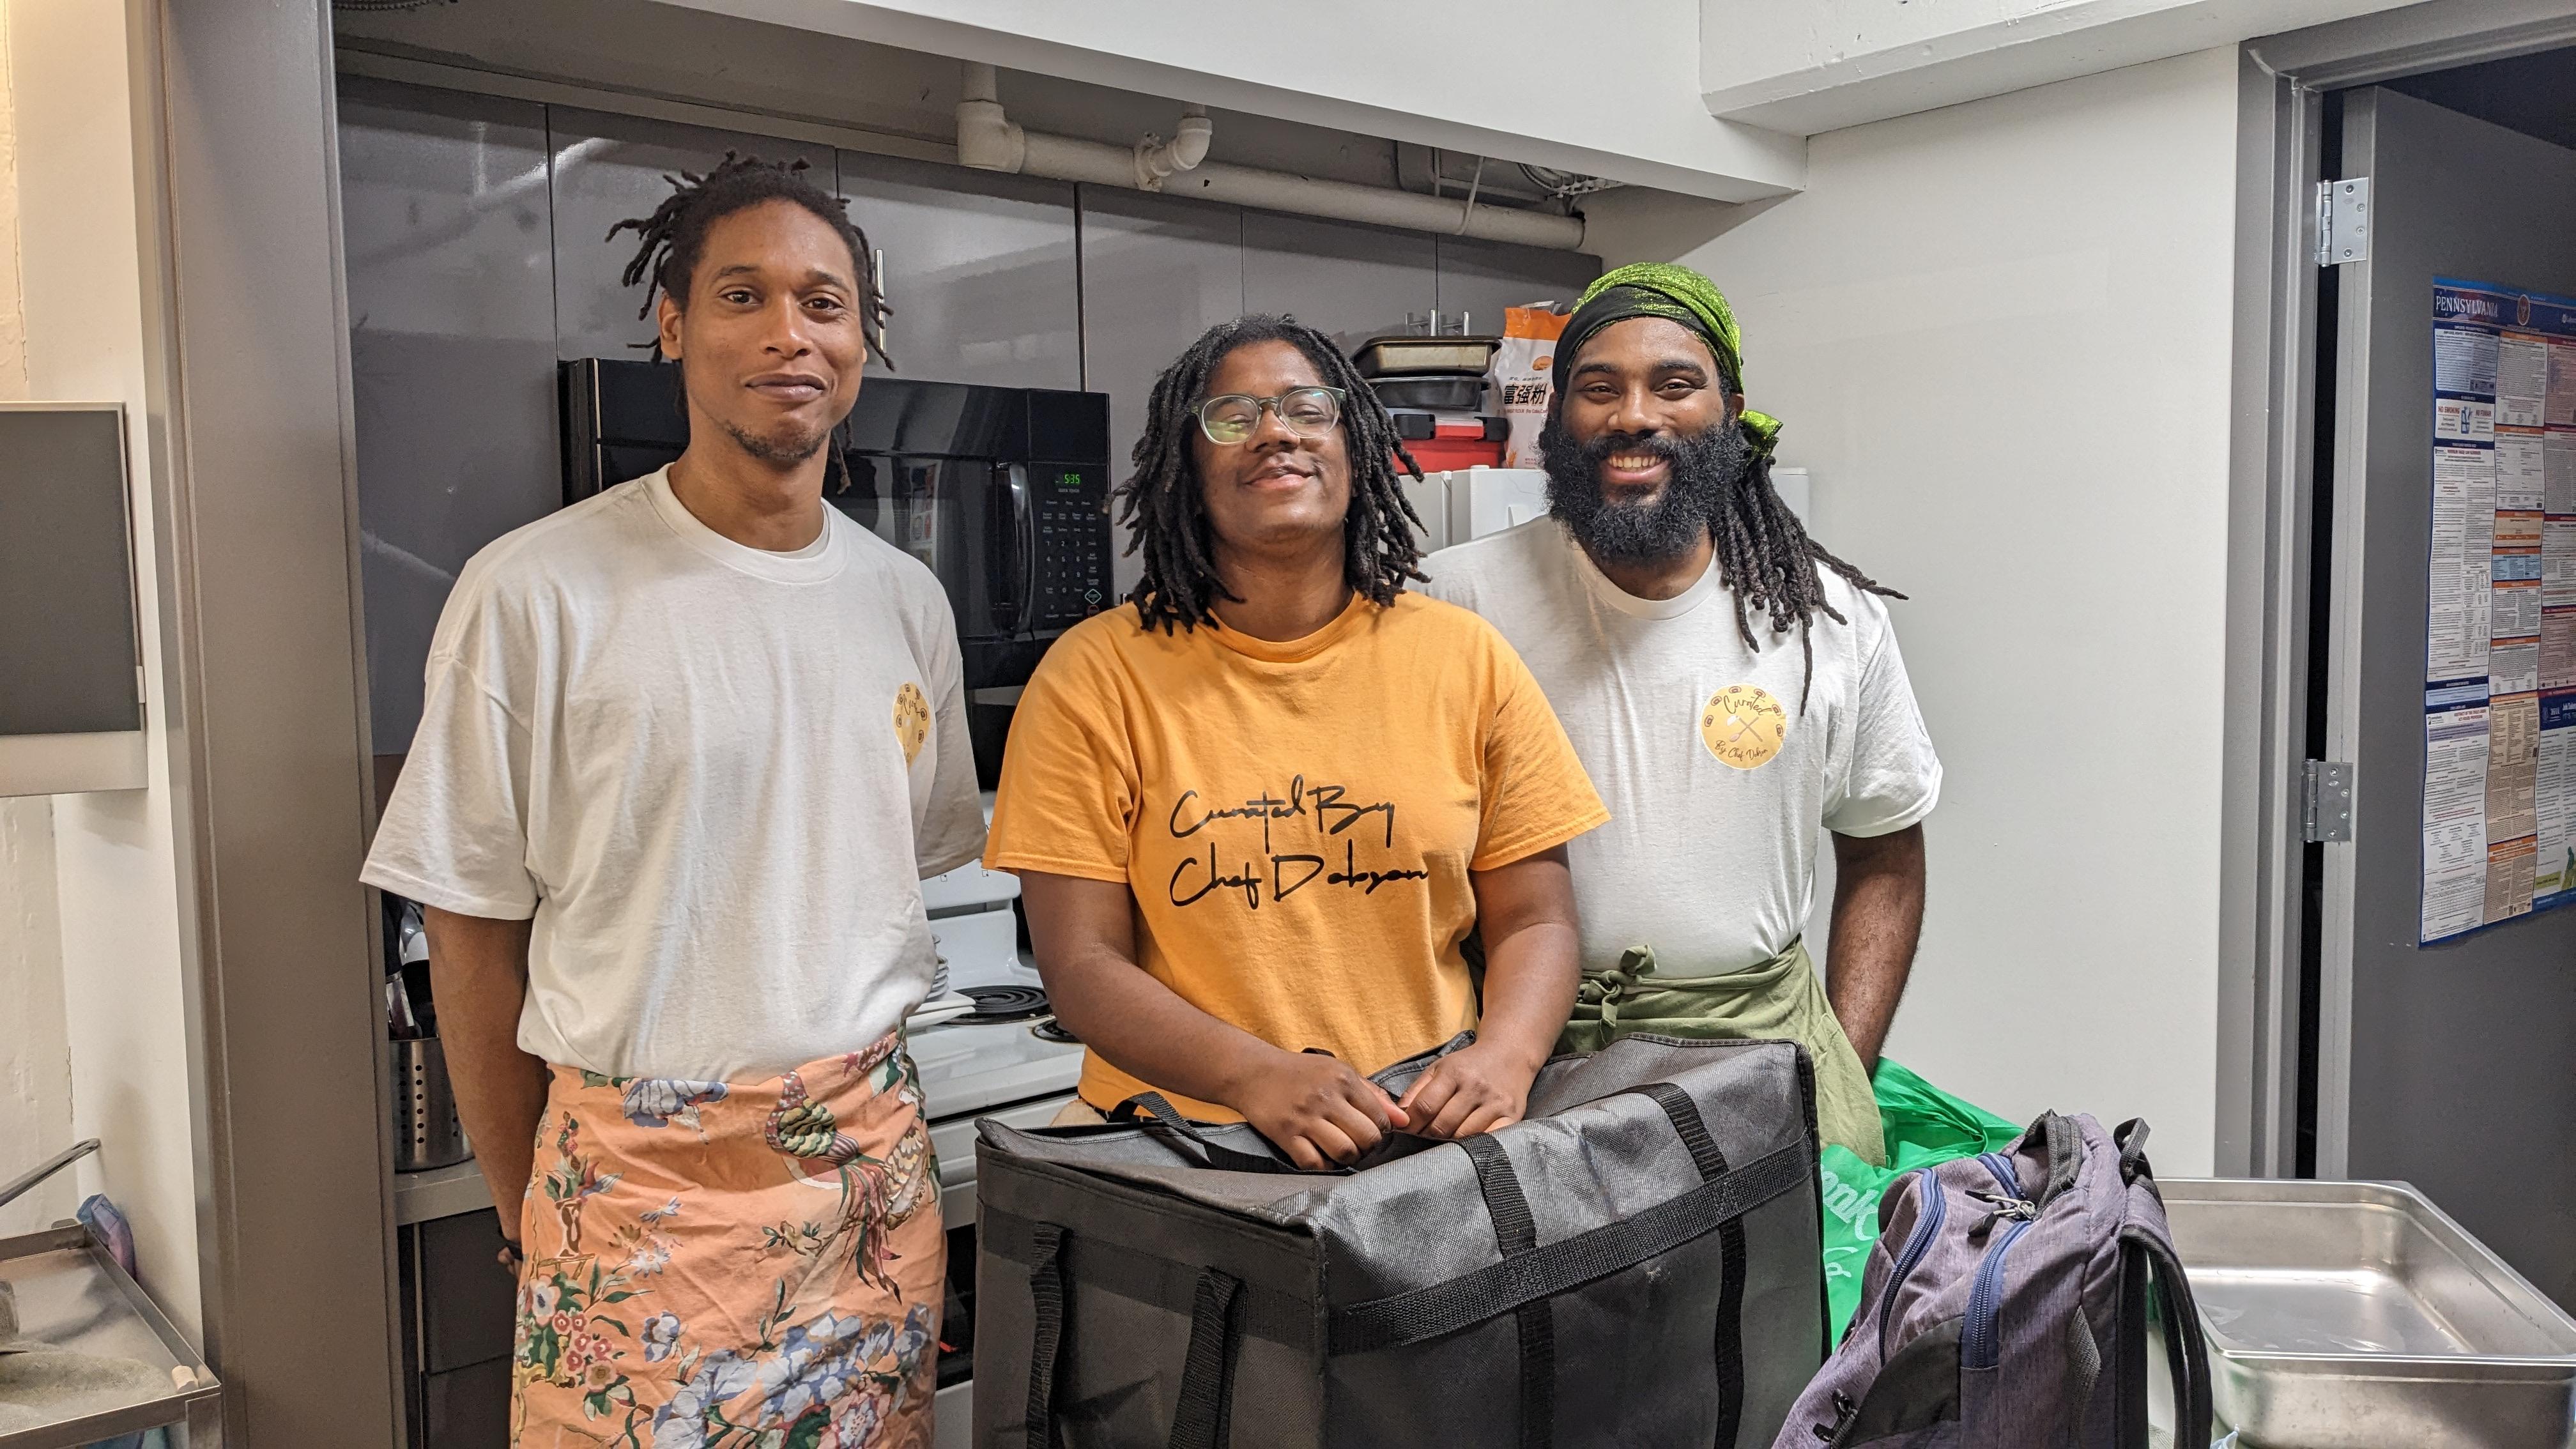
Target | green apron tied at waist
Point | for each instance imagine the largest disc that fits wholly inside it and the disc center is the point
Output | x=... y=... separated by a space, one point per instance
x=1778 y=1000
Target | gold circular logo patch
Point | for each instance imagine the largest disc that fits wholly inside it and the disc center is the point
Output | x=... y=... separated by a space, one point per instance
x=1743 y=726
x=911 y=720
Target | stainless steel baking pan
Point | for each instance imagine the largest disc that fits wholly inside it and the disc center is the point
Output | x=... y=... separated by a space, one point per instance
x=1425 y=354
x=2357 y=1315
x=1431 y=391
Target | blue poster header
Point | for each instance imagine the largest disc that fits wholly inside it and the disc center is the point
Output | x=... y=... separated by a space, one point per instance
x=2482 y=304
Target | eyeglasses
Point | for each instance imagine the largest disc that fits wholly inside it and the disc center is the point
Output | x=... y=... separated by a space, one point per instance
x=1309 y=412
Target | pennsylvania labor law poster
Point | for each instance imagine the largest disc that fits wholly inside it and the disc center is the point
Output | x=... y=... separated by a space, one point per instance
x=2500 y=625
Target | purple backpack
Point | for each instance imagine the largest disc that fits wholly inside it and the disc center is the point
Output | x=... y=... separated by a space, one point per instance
x=2005 y=1307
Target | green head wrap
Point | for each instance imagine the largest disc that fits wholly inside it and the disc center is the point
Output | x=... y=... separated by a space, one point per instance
x=1660 y=289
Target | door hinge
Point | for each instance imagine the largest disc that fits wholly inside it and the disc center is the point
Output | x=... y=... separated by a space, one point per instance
x=2343 y=221
x=2325 y=801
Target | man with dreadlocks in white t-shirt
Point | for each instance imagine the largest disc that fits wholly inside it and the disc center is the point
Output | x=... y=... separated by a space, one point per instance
x=1654 y=608
x=688 y=750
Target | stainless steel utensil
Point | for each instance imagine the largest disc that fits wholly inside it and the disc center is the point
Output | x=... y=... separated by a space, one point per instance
x=426 y=1132
x=2357 y=1315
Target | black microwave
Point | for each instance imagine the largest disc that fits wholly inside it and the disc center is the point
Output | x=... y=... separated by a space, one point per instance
x=1002 y=491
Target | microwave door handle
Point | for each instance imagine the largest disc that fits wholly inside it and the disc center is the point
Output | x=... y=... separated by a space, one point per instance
x=1026 y=523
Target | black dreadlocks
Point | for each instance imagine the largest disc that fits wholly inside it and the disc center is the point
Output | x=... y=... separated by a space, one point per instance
x=676 y=234
x=1767 y=560
x=1165 y=510
x=1765 y=556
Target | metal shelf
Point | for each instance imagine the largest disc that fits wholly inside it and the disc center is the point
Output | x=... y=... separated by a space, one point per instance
x=72 y=1296
x=440 y=1192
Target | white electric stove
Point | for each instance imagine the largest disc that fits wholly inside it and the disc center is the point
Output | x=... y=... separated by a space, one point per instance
x=973 y=1069
x=971 y=1066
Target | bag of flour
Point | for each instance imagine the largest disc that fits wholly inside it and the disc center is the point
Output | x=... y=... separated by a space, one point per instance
x=1520 y=374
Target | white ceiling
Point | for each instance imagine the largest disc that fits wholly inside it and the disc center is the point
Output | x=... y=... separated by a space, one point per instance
x=1809 y=66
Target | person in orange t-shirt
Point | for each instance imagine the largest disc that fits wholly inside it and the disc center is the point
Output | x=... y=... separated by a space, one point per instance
x=1257 y=810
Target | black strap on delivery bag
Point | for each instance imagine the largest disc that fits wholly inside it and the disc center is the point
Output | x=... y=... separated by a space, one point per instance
x=1522 y=1284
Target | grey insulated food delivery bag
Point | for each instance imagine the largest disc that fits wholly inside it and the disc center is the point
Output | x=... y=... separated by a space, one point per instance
x=1636 y=1263
x=2005 y=1307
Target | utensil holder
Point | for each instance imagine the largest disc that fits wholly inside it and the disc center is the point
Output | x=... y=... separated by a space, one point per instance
x=426 y=1131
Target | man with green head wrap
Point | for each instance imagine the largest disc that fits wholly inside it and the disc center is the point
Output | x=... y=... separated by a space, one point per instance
x=1730 y=686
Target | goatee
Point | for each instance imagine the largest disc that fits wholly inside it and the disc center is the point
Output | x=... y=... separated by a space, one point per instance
x=788 y=445
x=1706 y=468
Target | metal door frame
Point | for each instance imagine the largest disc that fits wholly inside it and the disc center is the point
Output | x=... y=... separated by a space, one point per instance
x=2282 y=82
x=249 y=431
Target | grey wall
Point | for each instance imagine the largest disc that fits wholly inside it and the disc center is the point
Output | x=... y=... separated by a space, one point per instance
x=478 y=256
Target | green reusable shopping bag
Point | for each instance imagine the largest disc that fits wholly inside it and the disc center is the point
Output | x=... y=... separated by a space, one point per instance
x=1923 y=1126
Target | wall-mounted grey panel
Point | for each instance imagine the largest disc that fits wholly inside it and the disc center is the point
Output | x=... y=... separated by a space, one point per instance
x=980 y=270
x=1348 y=281
x=606 y=169
x=68 y=652
x=448 y=225
x=1481 y=278
x=1156 y=273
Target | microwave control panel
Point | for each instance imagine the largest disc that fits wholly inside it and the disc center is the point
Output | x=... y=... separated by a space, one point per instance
x=1071 y=504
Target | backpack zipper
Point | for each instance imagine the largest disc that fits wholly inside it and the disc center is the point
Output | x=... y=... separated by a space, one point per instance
x=1936 y=1207
x=1844 y=1412
x=2002 y=1167
x=1980 y=1344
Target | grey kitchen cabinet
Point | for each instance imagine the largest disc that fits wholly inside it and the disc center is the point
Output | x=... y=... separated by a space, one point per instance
x=1156 y=272
x=447 y=223
x=979 y=268
x=459 y=1310
x=1348 y=281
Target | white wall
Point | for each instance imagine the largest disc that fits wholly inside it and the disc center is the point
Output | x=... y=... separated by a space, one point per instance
x=35 y=1048
x=2000 y=336
x=117 y=884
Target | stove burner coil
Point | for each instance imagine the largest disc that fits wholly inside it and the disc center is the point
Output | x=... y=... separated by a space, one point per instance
x=1005 y=1003
x=1053 y=1030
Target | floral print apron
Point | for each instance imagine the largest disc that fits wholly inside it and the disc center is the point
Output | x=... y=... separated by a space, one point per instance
x=716 y=1265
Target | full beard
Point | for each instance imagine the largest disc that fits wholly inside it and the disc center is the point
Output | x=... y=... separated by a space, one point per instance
x=790 y=444
x=1705 y=470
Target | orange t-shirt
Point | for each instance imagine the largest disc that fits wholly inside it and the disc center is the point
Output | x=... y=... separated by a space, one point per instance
x=1297 y=820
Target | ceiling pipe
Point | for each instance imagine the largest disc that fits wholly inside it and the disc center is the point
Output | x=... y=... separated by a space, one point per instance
x=989 y=140
x=986 y=139
x=1157 y=159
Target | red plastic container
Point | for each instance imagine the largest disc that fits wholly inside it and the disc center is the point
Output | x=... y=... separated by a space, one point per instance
x=1441 y=454
x=1455 y=442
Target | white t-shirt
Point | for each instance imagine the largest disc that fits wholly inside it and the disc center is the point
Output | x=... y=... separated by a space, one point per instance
x=714 y=775
x=1715 y=780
